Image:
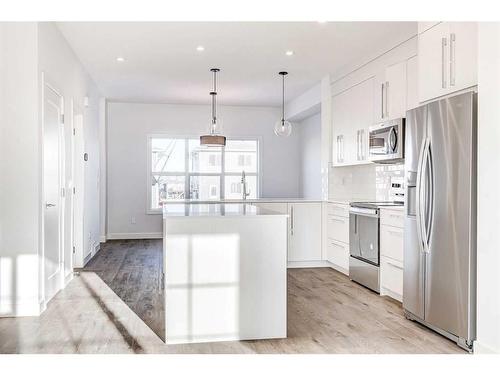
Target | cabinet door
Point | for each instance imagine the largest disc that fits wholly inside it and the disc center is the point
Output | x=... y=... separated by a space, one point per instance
x=363 y=108
x=338 y=124
x=337 y=253
x=395 y=87
x=305 y=232
x=379 y=100
x=412 y=83
x=462 y=55
x=432 y=62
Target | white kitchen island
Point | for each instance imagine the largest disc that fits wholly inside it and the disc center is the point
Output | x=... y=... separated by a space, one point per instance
x=224 y=272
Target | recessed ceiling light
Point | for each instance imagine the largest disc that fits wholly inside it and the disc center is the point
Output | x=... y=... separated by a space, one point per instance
x=289 y=53
x=120 y=59
x=200 y=48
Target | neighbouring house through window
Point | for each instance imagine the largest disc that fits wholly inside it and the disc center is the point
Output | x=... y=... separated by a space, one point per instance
x=182 y=169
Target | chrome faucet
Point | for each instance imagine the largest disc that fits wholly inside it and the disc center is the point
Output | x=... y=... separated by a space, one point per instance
x=244 y=186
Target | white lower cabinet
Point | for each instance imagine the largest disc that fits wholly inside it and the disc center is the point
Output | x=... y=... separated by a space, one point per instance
x=391 y=253
x=336 y=239
x=304 y=238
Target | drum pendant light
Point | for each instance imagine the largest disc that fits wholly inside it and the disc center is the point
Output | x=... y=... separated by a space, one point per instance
x=214 y=138
x=283 y=128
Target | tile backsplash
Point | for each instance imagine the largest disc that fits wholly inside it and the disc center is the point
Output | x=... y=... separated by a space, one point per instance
x=370 y=181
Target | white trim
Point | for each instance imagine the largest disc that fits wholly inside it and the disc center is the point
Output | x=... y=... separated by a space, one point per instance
x=338 y=268
x=102 y=239
x=480 y=348
x=134 y=236
x=309 y=264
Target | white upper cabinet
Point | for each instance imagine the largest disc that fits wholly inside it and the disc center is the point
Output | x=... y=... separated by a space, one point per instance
x=447 y=59
x=390 y=93
x=352 y=115
x=412 y=83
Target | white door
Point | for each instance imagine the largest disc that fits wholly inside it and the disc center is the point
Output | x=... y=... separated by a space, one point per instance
x=52 y=187
x=305 y=232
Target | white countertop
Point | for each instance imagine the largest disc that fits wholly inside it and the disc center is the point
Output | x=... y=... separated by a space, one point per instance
x=216 y=210
x=256 y=200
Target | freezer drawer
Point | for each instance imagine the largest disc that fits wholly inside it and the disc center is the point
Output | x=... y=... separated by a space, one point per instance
x=364 y=273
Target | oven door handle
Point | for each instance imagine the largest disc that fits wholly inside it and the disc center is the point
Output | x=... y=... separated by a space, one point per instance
x=364 y=212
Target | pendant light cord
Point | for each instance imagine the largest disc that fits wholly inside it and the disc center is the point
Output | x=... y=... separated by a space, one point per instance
x=283 y=101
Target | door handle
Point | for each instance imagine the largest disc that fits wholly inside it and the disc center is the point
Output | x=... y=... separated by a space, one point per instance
x=291 y=220
x=48 y=205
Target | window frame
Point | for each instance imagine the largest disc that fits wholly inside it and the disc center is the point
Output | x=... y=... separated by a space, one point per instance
x=187 y=174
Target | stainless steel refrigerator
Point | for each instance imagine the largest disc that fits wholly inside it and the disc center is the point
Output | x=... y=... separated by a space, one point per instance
x=439 y=288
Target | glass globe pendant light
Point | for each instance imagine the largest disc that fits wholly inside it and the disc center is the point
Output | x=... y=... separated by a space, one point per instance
x=214 y=138
x=283 y=128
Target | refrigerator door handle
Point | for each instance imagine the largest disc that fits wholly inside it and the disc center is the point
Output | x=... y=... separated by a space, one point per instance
x=424 y=191
x=418 y=195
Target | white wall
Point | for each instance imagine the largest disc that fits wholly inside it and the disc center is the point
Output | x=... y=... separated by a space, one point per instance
x=309 y=130
x=488 y=225
x=127 y=127
x=64 y=72
x=19 y=170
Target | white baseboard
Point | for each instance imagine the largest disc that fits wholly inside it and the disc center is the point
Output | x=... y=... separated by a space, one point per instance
x=308 y=264
x=102 y=239
x=134 y=236
x=338 y=268
x=10 y=309
x=480 y=348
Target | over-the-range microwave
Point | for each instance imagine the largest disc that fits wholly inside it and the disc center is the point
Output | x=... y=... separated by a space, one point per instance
x=387 y=142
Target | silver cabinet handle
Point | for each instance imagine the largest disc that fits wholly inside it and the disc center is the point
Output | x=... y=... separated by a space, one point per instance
x=357 y=145
x=387 y=99
x=444 y=42
x=382 y=101
x=48 y=205
x=291 y=220
x=452 y=59
x=394 y=265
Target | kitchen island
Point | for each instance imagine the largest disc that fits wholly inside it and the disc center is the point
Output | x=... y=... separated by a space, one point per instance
x=224 y=272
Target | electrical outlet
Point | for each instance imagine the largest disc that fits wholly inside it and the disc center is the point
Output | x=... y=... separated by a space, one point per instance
x=132 y=220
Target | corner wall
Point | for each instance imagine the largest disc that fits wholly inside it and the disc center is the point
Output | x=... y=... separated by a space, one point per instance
x=19 y=170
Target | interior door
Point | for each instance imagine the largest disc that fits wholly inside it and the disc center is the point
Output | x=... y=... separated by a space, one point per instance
x=305 y=232
x=449 y=262
x=52 y=185
x=78 y=182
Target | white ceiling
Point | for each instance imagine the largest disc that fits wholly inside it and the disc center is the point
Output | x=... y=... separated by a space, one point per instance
x=162 y=64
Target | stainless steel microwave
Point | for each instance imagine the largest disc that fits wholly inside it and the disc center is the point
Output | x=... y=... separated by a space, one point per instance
x=387 y=142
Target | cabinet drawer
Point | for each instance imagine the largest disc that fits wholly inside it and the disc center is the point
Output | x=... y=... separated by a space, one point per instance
x=337 y=209
x=391 y=242
x=338 y=228
x=392 y=217
x=391 y=276
x=337 y=253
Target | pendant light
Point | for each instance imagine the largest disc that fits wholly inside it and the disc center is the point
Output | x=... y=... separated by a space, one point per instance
x=214 y=138
x=283 y=128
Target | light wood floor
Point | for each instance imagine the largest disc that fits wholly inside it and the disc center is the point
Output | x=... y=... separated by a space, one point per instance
x=327 y=313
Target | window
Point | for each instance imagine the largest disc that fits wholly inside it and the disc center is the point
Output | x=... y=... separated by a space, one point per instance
x=182 y=169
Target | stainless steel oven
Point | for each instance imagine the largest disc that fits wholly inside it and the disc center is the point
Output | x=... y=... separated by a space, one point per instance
x=364 y=257
x=387 y=142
